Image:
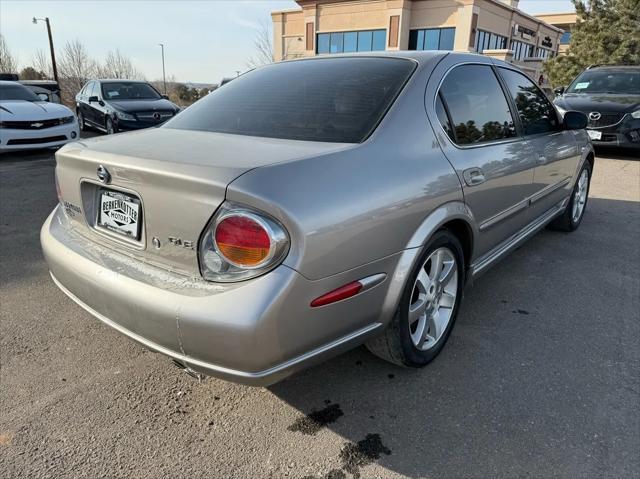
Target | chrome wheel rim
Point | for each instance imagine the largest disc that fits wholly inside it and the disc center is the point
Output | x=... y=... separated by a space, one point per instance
x=81 y=121
x=433 y=298
x=109 y=128
x=580 y=196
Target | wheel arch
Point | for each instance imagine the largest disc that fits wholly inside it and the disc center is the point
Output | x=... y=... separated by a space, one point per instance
x=454 y=216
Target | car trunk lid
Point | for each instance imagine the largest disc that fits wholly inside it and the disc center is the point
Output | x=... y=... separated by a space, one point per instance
x=178 y=177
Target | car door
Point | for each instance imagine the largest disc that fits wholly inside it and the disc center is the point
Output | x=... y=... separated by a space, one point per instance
x=477 y=133
x=83 y=104
x=556 y=149
x=95 y=109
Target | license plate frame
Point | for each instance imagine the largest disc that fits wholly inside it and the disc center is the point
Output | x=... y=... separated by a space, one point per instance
x=594 y=135
x=119 y=213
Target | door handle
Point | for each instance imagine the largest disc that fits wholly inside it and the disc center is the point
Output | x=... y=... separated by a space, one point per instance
x=542 y=159
x=473 y=176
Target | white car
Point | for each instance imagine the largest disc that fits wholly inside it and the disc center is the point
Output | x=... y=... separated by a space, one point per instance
x=27 y=122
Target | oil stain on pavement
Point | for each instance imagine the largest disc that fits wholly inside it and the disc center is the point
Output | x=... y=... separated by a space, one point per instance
x=316 y=420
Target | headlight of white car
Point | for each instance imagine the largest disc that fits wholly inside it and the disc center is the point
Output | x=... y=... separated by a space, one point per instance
x=125 y=116
x=636 y=114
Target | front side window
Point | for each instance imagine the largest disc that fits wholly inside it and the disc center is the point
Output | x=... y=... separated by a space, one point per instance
x=536 y=113
x=432 y=39
x=323 y=99
x=129 y=91
x=477 y=106
x=348 y=42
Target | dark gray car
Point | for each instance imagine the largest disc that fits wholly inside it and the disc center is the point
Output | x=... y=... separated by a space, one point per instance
x=313 y=205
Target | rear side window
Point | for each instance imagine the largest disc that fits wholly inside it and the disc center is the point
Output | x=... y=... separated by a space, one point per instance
x=330 y=99
x=536 y=113
x=477 y=106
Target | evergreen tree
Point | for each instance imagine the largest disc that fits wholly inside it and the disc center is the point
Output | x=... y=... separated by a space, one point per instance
x=607 y=32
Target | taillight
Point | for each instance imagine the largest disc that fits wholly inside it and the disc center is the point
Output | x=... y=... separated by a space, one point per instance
x=243 y=240
x=241 y=243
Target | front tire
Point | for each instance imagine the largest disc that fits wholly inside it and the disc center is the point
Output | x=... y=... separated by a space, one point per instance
x=109 y=126
x=81 y=123
x=428 y=307
x=572 y=217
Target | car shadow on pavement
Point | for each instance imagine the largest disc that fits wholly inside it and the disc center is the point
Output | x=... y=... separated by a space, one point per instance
x=617 y=153
x=526 y=385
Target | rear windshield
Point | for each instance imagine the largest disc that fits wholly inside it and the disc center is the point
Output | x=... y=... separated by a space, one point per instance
x=330 y=99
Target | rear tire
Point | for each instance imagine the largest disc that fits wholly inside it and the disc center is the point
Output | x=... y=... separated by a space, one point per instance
x=572 y=217
x=428 y=307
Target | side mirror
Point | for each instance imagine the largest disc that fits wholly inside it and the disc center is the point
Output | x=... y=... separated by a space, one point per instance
x=575 y=120
x=559 y=91
x=93 y=98
x=166 y=97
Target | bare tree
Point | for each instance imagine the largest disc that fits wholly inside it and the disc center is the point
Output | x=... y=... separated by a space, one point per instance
x=117 y=65
x=75 y=68
x=40 y=61
x=8 y=63
x=263 y=43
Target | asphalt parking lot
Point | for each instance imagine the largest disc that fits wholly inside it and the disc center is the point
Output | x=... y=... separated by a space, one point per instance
x=540 y=379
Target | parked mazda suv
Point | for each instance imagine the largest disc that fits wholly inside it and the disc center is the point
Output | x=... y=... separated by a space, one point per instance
x=312 y=205
x=117 y=105
x=610 y=97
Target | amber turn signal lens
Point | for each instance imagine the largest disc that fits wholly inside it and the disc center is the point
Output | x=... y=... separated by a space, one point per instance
x=242 y=241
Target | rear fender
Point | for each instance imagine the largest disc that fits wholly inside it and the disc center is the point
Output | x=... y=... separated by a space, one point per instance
x=455 y=210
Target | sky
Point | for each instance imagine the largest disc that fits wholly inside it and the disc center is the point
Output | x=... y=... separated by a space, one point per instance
x=204 y=40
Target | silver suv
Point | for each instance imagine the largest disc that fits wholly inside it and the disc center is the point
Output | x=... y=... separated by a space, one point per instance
x=313 y=205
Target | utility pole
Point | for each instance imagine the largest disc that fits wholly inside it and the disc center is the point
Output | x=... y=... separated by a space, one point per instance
x=53 y=53
x=164 y=79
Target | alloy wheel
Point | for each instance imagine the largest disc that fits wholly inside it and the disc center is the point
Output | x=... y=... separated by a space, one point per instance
x=580 y=196
x=433 y=298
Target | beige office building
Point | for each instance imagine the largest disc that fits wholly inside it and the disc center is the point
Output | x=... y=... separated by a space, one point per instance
x=491 y=27
x=564 y=21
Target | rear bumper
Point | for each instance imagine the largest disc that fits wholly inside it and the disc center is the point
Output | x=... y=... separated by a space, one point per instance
x=12 y=139
x=255 y=332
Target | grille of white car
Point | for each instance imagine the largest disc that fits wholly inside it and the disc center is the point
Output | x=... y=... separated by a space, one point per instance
x=36 y=124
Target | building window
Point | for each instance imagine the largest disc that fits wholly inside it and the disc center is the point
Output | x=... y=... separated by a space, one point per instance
x=521 y=50
x=565 y=38
x=346 y=42
x=544 y=53
x=432 y=39
x=489 y=41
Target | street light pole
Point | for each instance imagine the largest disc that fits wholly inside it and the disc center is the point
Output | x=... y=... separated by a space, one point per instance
x=53 y=53
x=164 y=79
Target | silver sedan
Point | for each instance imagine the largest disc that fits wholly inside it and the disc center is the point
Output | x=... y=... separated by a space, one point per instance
x=313 y=205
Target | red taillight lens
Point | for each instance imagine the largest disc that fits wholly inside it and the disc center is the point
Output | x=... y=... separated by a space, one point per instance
x=243 y=241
